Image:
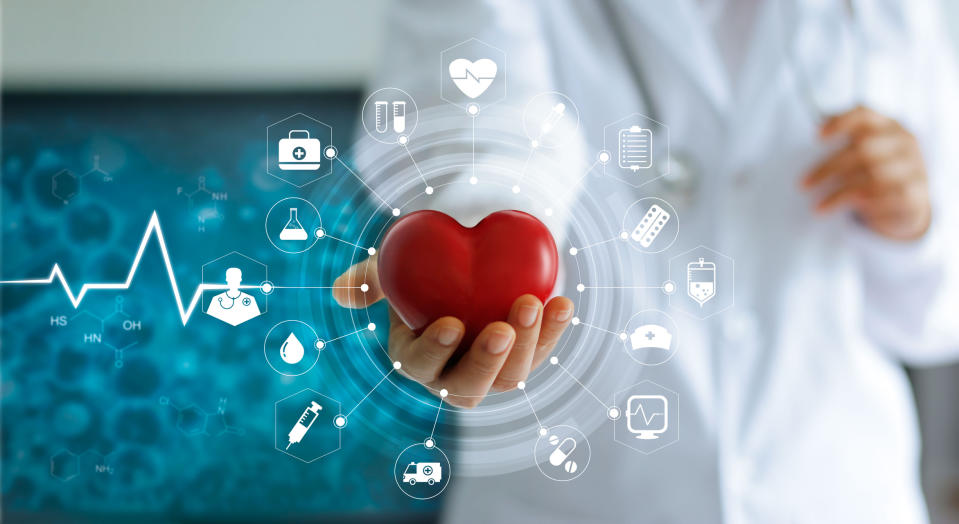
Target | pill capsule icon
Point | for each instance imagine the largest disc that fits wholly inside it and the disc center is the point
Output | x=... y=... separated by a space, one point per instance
x=562 y=451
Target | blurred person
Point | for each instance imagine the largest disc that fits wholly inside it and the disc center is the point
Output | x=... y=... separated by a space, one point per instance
x=822 y=133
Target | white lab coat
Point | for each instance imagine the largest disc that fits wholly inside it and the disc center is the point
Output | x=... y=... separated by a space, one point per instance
x=795 y=404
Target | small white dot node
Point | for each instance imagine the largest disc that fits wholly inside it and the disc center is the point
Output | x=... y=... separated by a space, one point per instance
x=553 y=360
x=444 y=393
x=472 y=109
x=516 y=189
x=521 y=385
x=364 y=287
x=372 y=327
x=580 y=288
x=266 y=287
x=397 y=365
x=339 y=421
x=669 y=287
x=534 y=144
x=319 y=233
x=624 y=235
x=330 y=152
x=543 y=431
x=429 y=443
x=623 y=336
x=319 y=344
x=575 y=321
x=613 y=413
x=403 y=139
x=396 y=211
x=573 y=251
x=429 y=190
x=549 y=211
x=474 y=180
x=603 y=157
x=371 y=251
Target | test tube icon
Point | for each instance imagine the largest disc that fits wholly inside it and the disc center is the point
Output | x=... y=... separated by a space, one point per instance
x=380 y=108
x=306 y=420
x=399 y=116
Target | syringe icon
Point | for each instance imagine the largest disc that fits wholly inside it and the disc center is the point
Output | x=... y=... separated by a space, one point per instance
x=309 y=416
x=552 y=118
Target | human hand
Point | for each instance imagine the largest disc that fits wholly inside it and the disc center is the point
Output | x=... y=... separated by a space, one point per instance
x=879 y=174
x=502 y=355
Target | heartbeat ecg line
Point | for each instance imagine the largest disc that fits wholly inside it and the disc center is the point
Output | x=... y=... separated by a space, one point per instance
x=467 y=74
x=639 y=409
x=153 y=228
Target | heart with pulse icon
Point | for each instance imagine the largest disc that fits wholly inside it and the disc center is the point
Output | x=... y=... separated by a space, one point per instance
x=430 y=266
x=473 y=78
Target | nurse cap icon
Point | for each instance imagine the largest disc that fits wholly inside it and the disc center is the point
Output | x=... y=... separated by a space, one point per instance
x=233 y=306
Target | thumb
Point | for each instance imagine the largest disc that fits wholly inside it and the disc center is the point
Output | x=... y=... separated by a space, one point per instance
x=348 y=287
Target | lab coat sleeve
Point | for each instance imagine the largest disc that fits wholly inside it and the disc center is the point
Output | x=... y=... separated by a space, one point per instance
x=912 y=289
x=415 y=36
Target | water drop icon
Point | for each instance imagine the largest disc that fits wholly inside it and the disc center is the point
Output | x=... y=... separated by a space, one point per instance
x=292 y=350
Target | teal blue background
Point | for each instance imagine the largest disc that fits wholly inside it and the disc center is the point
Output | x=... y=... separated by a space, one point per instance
x=183 y=428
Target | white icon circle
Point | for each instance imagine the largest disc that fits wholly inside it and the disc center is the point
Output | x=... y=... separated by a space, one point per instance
x=422 y=471
x=562 y=454
x=650 y=225
x=651 y=337
x=284 y=225
x=285 y=348
x=550 y=120
x=389 y=115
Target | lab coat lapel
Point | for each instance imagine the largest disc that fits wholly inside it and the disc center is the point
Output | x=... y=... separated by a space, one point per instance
x=679 y=25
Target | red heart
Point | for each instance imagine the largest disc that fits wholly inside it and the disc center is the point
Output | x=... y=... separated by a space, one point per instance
x=430 y=266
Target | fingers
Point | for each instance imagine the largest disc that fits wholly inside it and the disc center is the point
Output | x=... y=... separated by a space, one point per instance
x=556 y=316
x=471 y=378
x=525 y=317
x=855 y=123
x=424 y=357
x=348 y=287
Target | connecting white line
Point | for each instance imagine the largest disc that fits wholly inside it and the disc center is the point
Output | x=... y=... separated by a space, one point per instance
x=528 y=401
x=525 y=166
x=370 y=392
x=348 y=335
x=593 y=326
x=437 y=419
x=331 y=237
x=575 y=250
x=582 y=385
x=358 y=177
x=152 y=228
x=574 y=185
x=408 y=152
x=624 y=287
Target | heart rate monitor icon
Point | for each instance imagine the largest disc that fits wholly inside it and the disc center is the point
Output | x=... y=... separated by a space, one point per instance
x=473 y=78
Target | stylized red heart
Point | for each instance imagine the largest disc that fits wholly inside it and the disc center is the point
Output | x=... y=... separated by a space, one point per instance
x=430 y=266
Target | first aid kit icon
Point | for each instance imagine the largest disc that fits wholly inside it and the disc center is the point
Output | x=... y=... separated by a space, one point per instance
x=299 y=152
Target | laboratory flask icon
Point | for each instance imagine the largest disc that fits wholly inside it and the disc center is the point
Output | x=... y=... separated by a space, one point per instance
x=293 y=230
x=292 y=350
x=701 y=281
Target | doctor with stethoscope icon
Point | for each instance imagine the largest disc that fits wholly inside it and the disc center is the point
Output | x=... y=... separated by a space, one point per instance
x=233 y=306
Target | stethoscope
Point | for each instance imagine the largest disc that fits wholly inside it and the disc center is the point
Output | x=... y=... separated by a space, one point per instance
x=679 y=174
x=232 y=299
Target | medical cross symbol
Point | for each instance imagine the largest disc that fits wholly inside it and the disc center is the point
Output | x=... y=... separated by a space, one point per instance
x=650 y=335
x=299 y=153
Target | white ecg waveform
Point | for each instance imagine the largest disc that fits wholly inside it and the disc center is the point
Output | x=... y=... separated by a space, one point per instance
x=639 y=409
x=152 y=228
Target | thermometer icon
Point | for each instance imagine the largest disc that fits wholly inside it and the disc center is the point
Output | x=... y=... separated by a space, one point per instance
x=306 y=420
